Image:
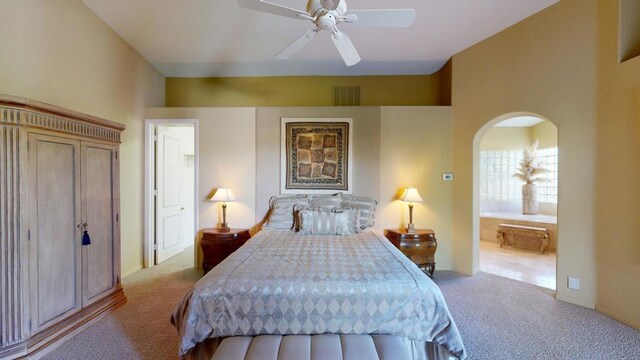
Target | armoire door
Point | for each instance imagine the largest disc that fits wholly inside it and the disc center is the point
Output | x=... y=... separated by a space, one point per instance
x=99 y=210
x=54 y=241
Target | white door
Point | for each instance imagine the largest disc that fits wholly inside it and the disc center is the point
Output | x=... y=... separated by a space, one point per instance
x=169 y=207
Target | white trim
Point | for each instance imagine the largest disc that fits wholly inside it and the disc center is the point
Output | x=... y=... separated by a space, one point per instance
x=283 y=156
x=149 y=174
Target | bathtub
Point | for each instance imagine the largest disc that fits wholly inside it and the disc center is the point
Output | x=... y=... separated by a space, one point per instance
x=489 y=222
x=540 y=218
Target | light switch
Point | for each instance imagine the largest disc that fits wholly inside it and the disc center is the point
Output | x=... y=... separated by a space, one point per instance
x=447 y=177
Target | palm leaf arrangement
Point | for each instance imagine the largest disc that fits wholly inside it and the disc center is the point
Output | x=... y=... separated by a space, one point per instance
x=531 y=169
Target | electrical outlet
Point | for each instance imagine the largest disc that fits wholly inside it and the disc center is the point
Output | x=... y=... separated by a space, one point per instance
x=573 y=283
x=447 y=177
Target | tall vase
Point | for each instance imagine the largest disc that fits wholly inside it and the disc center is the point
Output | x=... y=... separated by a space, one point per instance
x=529 y=199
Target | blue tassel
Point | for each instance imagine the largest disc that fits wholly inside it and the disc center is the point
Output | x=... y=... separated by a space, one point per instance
x=86 y=240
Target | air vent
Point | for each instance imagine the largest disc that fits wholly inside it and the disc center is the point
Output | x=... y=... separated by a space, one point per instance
x=346 y=96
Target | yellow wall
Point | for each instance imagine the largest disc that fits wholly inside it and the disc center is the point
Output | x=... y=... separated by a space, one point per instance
x=59 y=52
x=545 y=65
x=415 y=145
x=618 y=197
x=305 y=90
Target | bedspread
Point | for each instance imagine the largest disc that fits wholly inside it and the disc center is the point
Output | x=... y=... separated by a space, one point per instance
x=282 y=282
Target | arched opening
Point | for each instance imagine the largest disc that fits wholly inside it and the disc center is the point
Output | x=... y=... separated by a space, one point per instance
x=515 y=239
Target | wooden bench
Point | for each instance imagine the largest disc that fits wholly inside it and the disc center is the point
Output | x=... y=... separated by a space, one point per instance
x=538 y=232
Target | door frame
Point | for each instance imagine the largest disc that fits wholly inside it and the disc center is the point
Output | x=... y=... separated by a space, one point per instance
x=149 y=180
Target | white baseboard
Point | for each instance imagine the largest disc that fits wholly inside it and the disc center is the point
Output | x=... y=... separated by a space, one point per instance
x=617 y=316
x=575 y=301
x=132 y=271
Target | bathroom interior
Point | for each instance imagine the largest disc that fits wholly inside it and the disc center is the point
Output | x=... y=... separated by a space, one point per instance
x=501 y=202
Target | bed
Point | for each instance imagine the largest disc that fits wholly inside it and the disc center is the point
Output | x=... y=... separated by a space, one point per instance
x=283 y=282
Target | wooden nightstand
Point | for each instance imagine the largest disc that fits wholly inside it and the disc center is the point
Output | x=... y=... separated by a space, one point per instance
x=419 y=247
x=216 y=245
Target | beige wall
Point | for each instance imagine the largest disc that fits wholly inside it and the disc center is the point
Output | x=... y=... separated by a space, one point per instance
x=226 y=139
x=393 y=147
x=545 y=65
x=366 y=148
x=59 y=52
x=308 y=90
x=226 y=150
x=415 y=145
x=546 y=133
x=506 y=138
x=618 y=196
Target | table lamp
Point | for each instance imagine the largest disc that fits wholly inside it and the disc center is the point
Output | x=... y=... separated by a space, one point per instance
x=411 y=195
x=223 y=195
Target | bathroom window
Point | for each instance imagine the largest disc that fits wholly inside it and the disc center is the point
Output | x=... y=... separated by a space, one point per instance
x=497 y=182
x=496 y=170
x=548 y=191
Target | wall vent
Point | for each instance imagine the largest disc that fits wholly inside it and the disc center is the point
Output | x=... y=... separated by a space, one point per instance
x=346 y=96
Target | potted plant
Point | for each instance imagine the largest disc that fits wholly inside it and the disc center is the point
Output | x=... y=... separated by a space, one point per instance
x=532 y=172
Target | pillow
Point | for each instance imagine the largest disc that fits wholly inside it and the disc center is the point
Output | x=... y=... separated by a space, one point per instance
x=281 y=211
x=298 y=207
x=319 y=222
x=326 y=200
x=366 y=205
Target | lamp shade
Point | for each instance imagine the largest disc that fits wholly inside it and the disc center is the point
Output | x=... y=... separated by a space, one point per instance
x=223 y=195
x=411 y=194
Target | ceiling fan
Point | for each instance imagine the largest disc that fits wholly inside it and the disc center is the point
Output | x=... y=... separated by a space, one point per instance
x=326 y=15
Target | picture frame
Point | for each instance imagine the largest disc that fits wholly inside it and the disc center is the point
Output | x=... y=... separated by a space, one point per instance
x=316 y=156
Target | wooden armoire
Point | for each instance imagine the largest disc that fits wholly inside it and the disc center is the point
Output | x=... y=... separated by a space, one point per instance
x=59 y=177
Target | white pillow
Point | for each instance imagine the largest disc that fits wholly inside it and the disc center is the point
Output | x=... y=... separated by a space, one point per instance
x=367 y=207
x=326 y=200
x=319 y=222
x=281 y=211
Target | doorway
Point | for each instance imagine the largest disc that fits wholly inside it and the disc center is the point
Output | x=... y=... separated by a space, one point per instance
x=515 y=242
x=170 y=188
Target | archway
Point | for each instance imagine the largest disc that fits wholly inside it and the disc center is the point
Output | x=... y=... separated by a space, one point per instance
x=497 y=202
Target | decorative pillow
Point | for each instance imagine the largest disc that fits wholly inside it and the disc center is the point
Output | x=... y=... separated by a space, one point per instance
x=366 y=205
x=326 y=200
x=317 y=222
x=298 y=207
x=281 y=211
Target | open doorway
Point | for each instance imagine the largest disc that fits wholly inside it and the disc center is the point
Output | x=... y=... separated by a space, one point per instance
x=518 y=241
x=170 y=189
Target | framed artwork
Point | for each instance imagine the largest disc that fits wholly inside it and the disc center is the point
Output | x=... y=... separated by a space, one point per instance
x=316 y=156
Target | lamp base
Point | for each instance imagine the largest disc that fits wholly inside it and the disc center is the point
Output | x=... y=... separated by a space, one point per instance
x=224 y=228
x=411 y=229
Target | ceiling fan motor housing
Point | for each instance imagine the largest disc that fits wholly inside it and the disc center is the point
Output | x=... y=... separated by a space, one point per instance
x=315 y=8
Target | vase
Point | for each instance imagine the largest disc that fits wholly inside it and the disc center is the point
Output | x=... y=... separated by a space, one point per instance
x=530 y=199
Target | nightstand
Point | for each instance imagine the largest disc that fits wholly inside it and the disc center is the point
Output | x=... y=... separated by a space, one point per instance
x=420 y=247
x=217 y=245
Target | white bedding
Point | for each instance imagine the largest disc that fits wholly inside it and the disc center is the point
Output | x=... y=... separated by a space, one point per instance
x=282 y=282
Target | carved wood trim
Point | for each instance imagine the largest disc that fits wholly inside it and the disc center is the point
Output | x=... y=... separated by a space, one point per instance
x=29 y=113
x=11 y=318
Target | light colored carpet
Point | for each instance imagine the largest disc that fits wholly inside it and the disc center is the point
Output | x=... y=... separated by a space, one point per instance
x=498 y=318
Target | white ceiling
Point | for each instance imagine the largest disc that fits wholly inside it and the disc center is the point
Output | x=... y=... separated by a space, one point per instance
x=197 y=38
x=521 y=121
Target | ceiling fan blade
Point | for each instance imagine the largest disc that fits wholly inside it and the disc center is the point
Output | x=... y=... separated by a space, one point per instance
x=275 y=9
x=331 y=4
x=297 y=45
x=345 y=48
x=384 y=18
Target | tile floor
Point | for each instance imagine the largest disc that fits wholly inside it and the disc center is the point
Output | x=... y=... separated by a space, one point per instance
x=519 y=264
